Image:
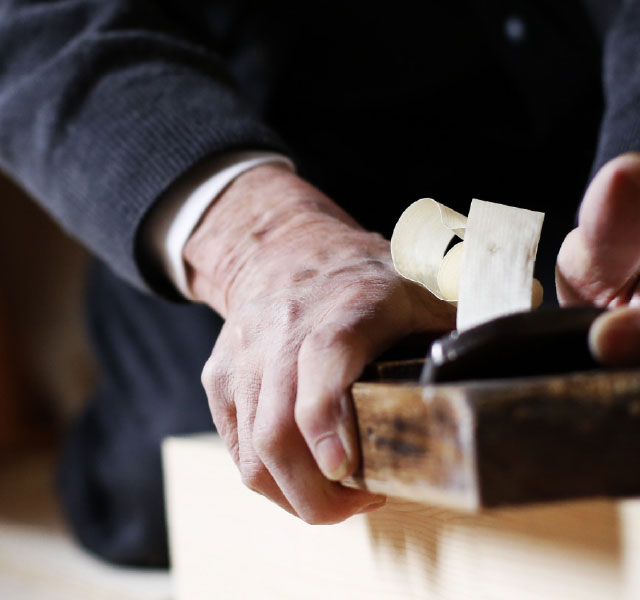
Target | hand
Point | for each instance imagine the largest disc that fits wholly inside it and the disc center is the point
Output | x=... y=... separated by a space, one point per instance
x=599 y=262
x=309 y=299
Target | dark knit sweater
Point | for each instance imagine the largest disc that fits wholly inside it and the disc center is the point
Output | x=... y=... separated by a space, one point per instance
x=105 y=103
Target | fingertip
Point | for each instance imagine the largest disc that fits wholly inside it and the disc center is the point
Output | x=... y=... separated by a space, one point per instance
x=376 y=504
x=338 y=503
x=611 y=200
x=573 y=269
x=614 y=337
x=623 y=171
x=356 y=501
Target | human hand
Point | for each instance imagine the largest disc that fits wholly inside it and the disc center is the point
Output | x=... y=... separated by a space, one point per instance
x=599 y=261
x=309 y=299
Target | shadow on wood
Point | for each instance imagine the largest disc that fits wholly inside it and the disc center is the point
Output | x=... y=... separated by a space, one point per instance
x=582 y=536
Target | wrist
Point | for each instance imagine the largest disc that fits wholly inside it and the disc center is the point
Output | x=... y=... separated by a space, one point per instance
x=258 y=233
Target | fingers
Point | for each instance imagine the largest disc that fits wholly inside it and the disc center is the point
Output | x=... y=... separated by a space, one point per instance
x=232 y=401
x=576 y=279
x=614 y=337
x=255 y=473
x=334 y=355
x=599 y=261
x=609 y=217
x=285 y=454
x=253 y=408
x=331 y=358
x=216 y=382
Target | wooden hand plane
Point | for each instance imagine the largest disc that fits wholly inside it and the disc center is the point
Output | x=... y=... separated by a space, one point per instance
x=513 y=411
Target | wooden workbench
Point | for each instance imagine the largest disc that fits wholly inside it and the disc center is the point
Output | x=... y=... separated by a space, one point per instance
x=472 y=446
x=228 y=542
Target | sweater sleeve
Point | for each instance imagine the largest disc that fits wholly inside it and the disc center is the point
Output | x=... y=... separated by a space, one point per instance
x=102 y=106
x=620 y=130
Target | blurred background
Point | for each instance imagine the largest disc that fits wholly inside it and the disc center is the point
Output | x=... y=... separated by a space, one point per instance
x=46 y=373
x=45 y=365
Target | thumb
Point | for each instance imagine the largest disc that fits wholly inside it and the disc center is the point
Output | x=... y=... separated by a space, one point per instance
x=614 y=337
x=599 y=261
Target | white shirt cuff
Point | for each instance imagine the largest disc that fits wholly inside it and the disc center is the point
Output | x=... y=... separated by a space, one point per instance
x=185 y=203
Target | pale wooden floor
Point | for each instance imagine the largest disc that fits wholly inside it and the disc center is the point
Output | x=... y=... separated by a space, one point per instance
x=39 y=561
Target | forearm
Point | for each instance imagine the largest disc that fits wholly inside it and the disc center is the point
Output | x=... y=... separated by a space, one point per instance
x=105 y=105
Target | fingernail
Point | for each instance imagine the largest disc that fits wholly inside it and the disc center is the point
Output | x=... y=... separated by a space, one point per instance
x=614 y=337
x=345 y=428
x=332 y=457
x=373 y=506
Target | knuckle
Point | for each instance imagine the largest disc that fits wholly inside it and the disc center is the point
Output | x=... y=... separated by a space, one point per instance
x=312 y=415
x=217 y=383
x=314 y=418
x=272 y=437
x=329 y=336
x=214 y=371
x=245 y=333
x=206 y=376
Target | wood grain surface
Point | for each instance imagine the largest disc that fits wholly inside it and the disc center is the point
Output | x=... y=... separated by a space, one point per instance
x=504 y=442
x=228 y=542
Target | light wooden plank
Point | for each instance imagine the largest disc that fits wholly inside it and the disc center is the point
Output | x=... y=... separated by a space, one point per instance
x=228 y=542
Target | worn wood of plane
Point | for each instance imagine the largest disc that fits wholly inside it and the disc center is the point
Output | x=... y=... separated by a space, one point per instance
x=498 y=442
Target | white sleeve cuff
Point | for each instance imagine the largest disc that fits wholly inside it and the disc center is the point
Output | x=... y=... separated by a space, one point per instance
x=185 y=203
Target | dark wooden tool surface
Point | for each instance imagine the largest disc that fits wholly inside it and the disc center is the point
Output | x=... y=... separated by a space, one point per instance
x=498 y=442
